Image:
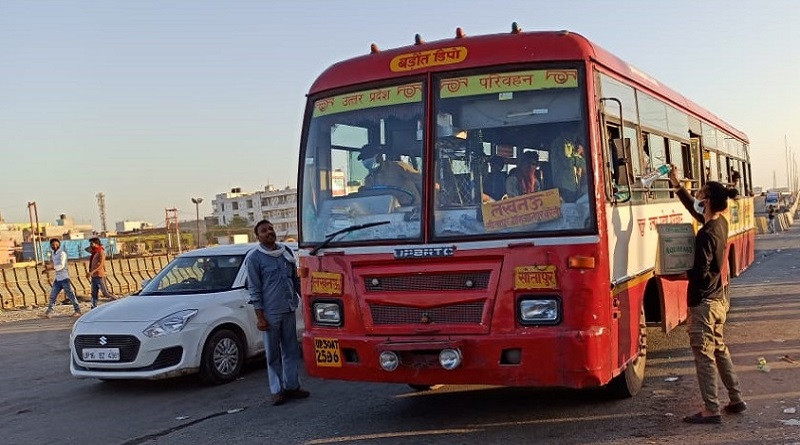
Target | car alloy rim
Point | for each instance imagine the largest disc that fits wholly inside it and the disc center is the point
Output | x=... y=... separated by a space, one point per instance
x=226 y=356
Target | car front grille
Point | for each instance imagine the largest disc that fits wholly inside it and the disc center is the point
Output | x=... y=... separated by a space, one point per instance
x=128 y=345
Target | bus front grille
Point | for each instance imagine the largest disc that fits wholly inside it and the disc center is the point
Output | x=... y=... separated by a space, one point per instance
x=464 y=281
x=461 y=313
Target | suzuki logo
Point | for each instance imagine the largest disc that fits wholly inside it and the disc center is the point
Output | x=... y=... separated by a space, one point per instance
x=103 y=341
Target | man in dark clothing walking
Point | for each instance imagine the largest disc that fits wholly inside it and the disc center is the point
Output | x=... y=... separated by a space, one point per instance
x=707 y=301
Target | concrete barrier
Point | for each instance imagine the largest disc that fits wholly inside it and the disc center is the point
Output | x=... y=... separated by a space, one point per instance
x=28 y=286
x=12 y=297
x=761 y=225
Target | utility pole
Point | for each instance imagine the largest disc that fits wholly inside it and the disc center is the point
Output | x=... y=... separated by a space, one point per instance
x=172 y=221
x=786 y=146
x=197 y=202
x=33 y=214
x=101 y=205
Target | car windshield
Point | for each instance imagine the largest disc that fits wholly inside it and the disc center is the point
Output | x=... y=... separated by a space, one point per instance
x=201 y=274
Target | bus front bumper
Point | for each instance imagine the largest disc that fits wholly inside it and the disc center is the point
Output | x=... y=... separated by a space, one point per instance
x=558 y=358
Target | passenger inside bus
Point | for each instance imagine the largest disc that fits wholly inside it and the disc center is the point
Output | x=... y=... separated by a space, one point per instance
x=495 y=183
x=524 y=178
x=567 y=165
x=387 y=171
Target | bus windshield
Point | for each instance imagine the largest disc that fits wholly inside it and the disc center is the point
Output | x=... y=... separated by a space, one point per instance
x=509 y=159
x=363 y=164
x=511 y=154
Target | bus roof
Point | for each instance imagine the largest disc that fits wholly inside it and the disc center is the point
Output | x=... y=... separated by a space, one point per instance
x=523 y=47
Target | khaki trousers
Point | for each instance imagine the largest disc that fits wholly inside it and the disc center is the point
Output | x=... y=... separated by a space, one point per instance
x=711 y=355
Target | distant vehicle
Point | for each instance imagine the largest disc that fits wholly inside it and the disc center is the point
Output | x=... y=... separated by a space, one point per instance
x=772 y=198
x=192 y=317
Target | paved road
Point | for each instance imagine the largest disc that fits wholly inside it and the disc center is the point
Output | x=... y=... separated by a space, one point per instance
x=41 y=403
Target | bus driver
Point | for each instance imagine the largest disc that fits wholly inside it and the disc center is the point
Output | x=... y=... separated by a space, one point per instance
x=390 y=170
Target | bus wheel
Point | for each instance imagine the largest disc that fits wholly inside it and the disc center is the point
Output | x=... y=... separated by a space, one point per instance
x=629 y=382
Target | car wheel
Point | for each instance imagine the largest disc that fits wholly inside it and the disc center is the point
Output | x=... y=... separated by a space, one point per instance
x=223 y=357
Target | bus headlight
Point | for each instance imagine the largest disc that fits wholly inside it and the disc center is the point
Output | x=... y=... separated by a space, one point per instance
x=539 y=311
x=327 y=313
x=389 y=360
x=450 y=359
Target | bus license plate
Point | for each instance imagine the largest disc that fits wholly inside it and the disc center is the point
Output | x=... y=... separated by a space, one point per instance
x=100 y=354
x=327 y=353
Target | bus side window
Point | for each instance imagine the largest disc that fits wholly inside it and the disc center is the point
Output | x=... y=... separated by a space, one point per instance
x=619 y=165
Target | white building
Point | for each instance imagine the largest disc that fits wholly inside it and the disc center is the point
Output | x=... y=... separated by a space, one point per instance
x=129 y=226
x=278 y=206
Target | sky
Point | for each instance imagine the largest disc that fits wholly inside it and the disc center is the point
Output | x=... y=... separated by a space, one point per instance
x=155 y=102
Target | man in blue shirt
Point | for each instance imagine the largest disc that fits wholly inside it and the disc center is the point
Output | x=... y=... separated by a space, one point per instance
x=274 y=293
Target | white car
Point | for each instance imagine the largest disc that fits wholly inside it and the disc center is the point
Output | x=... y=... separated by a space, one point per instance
x=194 y=316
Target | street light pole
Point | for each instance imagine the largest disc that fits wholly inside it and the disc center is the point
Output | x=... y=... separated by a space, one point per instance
x=197 y=202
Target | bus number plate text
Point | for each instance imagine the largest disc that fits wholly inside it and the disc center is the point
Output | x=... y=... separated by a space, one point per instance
x=327 y=353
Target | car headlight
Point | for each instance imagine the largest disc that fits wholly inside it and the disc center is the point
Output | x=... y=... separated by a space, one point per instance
x=170 y=324
x=327 y=313
x=539 y=311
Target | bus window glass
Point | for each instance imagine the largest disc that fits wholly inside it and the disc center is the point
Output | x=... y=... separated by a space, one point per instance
x=676 y=158
x=531 y=123
x=709 y=136
x=712 y=168
x=613 y=88
x=630 y=133
x=363 y=164
x=677 y=122
x=658 y=153
x=652 y=112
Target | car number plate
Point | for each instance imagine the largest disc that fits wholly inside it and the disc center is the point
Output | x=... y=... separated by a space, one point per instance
x=327 y=353
x=100 y=354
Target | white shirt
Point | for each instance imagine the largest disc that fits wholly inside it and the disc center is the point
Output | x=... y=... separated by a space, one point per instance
x=60 y=264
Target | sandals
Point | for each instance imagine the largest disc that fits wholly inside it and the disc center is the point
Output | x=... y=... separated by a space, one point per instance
x=699 y=418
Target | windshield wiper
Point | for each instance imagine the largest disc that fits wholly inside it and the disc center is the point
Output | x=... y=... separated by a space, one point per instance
x=329 y=237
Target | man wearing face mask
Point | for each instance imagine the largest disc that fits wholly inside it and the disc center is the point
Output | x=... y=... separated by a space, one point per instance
x=706 y=300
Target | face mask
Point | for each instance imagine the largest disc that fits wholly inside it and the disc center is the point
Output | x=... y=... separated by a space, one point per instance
x=369 y=163
x=699 y=207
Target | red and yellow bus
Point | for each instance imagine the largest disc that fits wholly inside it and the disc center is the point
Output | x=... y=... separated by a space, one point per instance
x=472 y=212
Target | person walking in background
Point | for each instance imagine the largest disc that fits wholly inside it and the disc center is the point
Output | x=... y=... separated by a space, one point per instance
x=707 y=300
x=97 y=270
x=275 y=294
x=771 y=219
x=61 y=280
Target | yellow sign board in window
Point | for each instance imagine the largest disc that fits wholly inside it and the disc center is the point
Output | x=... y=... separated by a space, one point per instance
x=326 y=283
x=535 y=277
x=522 y=210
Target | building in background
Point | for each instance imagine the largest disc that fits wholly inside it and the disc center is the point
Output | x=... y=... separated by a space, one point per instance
x=279 y=206
x=130 y=226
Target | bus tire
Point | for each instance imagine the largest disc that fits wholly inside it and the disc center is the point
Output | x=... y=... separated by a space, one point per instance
x=629 y=382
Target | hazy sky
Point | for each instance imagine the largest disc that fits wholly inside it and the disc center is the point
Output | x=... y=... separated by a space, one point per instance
x=153 y=102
